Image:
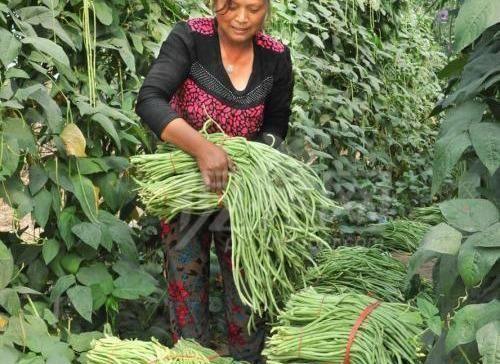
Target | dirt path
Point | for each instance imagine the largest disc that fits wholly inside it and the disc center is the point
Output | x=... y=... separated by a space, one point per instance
x=5 y=217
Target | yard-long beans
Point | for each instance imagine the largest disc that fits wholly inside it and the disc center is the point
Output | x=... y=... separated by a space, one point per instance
x=401 y=234
x=360 y=270
x=315 y=328
x=431 y=215
x=278 y=207
x=112 y=350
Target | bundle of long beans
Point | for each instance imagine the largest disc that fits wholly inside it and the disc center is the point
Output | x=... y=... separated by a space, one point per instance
x=315 y=328
x=112 y=350
x=359 y=269
x=278 y=207
x=401 y=234
x=431 y=215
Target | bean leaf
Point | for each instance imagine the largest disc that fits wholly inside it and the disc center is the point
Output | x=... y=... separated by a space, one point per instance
x=81 y=298
x=468 y=320
x=488 y=342
x=469 y=215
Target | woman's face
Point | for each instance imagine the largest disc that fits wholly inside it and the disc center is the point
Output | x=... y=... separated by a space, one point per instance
x=242 y=19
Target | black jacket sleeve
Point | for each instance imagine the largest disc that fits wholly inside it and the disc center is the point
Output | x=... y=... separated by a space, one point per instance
x=168 y=71
x=277 y=108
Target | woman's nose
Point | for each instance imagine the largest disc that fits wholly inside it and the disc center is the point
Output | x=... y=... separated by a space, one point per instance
x=242 y=15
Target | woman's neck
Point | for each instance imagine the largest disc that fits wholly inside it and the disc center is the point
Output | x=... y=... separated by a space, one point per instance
x=234 y=47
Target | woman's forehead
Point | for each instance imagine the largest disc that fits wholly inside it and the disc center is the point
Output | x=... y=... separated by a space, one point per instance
x=244 y=2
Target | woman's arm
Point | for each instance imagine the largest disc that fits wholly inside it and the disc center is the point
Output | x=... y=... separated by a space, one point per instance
x=167 y=73
x=213 y=161
x=278 y=104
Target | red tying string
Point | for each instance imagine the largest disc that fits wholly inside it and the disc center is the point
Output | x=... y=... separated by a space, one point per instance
x=299 y=347
x=362 y=316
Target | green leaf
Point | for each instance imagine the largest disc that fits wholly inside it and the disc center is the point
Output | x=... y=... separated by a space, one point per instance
x=468 y=320
x=116 y=191
x=9 y=300
x=50 y=107
x=58 y=352
x=41 y=211
x=19 y=130
x=14 y=193
x=469 y=215
x=81 y=298
x=65 y=223
x=108 y=126
x=447 y=152
x=454 y=68
x=103 y=12
x=59 y=174
x=6 y=265
x=137 y=42
x=440 y=239
x=458 y=119
x=316 y=40
x=9 y=157
x=91 y=165
x=470 y=181
x=99 y=297
x=16 y=73
x=474 y=17
x=49 y=48
x=96 y=274
x=125 y=52
x=488 y=342
x=62 y=284
x=49 y=317
x=85 y=193
x=37 y=178
x=486 y=142
x=50 y=250
x=40 y=15
x=71 y=262
x=89 y=233
x=9 y=355
x=133 y=286
x=120 y=233
x=10 y=47
x=83 y=342
x=475 y=260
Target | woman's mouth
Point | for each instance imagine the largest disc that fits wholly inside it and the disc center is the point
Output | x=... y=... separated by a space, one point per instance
x=240 y=30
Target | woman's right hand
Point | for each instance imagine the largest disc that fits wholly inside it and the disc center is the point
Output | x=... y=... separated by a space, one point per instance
x=213 y=161
x=215 y=165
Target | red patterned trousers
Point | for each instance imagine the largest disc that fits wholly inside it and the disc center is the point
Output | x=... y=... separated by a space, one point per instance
x=188 y=241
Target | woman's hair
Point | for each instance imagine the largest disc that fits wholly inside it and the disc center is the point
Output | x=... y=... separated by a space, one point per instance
x=227 y=4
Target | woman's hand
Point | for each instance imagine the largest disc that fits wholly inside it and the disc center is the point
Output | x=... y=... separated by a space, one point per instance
x=213 y=161
x=214 y=164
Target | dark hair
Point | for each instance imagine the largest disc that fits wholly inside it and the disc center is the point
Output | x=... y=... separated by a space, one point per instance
x=228 y=3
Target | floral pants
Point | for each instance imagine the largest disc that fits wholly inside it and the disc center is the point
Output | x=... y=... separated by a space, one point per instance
x=188 y=240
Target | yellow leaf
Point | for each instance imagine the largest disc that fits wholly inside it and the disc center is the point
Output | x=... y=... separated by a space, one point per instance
x=74 y=141
x=4 y=321
x=96 y=194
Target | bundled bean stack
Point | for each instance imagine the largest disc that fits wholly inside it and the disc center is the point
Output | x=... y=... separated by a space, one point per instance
x=360 y=270
x=278 y=207
x=402 y=234
x=431 y=215
x=316 y=328
x=112 y=350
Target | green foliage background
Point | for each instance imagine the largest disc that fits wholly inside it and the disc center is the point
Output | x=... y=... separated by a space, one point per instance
x=467 y=245
x=365 y=84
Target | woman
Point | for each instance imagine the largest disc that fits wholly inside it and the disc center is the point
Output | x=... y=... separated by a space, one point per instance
x=225 y=68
